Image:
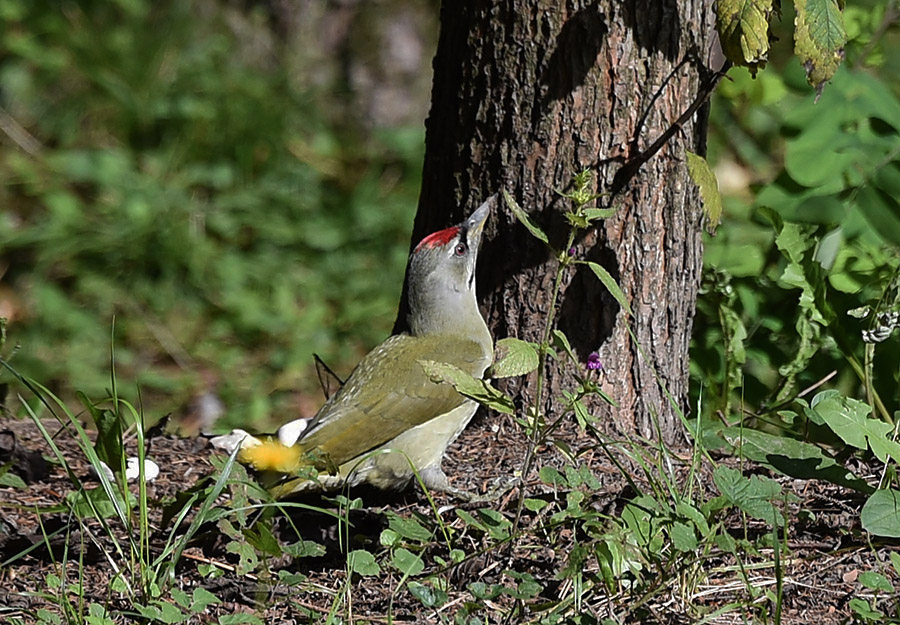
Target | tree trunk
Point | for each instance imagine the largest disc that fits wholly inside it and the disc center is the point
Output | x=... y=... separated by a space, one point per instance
x=526 y=93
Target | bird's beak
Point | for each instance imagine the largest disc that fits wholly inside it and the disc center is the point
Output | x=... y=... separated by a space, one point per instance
x=475 y=222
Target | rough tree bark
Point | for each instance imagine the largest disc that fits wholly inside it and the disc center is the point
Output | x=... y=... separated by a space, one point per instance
x=528 y=92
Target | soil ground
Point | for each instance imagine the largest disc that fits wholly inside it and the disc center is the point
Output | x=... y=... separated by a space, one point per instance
x=826 y=548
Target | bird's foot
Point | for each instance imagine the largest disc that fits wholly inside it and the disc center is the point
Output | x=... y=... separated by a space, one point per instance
x=435 y=480
x=499 y=487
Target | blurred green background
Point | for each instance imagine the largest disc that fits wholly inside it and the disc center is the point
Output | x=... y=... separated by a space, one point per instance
x=234 y=183
x=201 y=173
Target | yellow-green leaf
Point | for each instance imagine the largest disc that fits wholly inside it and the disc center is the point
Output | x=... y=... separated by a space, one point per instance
x=523 y=217
x=819 y=39
x=743 y=27
x=465 y=384
x=610 y=283
x=705 y=179
x=514 y=357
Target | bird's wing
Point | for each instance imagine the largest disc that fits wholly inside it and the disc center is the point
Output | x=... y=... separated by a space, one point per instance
x=388 y=393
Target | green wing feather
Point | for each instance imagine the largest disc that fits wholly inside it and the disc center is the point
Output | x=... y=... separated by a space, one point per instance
x=372 y=408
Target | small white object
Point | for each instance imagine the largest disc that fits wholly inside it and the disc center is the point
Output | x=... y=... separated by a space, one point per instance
x=132 y=469
x=151 y=470
x=289 y=433
x=234 y=440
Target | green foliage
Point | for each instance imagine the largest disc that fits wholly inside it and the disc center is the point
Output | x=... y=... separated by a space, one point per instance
x=196 y=196
x=479 y=390
x=881 y=513
x=801 y=281
x=745 y=31
x=706 y=181
x=819 y=39
x=743 y=27
x=818 y=241
x=515 y=357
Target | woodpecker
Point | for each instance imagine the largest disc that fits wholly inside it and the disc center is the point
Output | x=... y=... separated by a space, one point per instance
x=388 y=405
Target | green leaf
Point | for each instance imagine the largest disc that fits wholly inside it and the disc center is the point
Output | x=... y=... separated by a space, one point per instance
x=240 y=619
x=683 y=537
x=743 y=27
x=752 y=495
x=202 y=598
x=881 y=513
x=362 y=562
x=479 y=390
x=688 y=511
x=304 y=549
x=428 y=596
x=560 y=341
x=410 y=529
x=10 y=480
x=535 y=504
x=864 y=610
x=522 y=216
x=109 y=445
x=516 y=357
x=791 y=457
x=592 y=214
x=875 y=581
x=847 y=417
x=895 y=561
x=819 y=39
x=706 y=181
x=488 y=521
x=881 y=211
x=407 y=562
x=611 y=286
x=389 y=538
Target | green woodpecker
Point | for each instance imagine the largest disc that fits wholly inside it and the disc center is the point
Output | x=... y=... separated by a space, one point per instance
x=388 y=402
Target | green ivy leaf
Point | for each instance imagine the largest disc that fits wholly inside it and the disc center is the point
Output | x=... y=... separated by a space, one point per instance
x=706 y=181
x=465 y=384
x=696 y=517
x=881 y=513
x=743 y=27
x=895 y=561
x=516 y=357
x=428 y=596
x=819 y=39
x=523 y=217
x=610 y=284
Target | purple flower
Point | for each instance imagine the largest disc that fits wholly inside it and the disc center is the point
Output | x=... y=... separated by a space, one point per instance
x=593 y=362
x=572 y=251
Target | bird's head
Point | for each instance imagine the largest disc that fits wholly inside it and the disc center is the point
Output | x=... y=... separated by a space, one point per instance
x=441 y=278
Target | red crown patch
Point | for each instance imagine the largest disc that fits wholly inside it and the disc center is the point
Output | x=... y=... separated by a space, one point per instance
x=441 y=237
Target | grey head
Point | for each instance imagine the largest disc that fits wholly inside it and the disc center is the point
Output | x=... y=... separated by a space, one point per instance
x=441 y=278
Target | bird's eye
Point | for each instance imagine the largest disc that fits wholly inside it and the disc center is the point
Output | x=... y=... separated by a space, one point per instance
x=460 y=249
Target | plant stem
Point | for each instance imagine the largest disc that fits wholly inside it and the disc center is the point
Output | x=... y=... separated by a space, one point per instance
x=536 y=430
